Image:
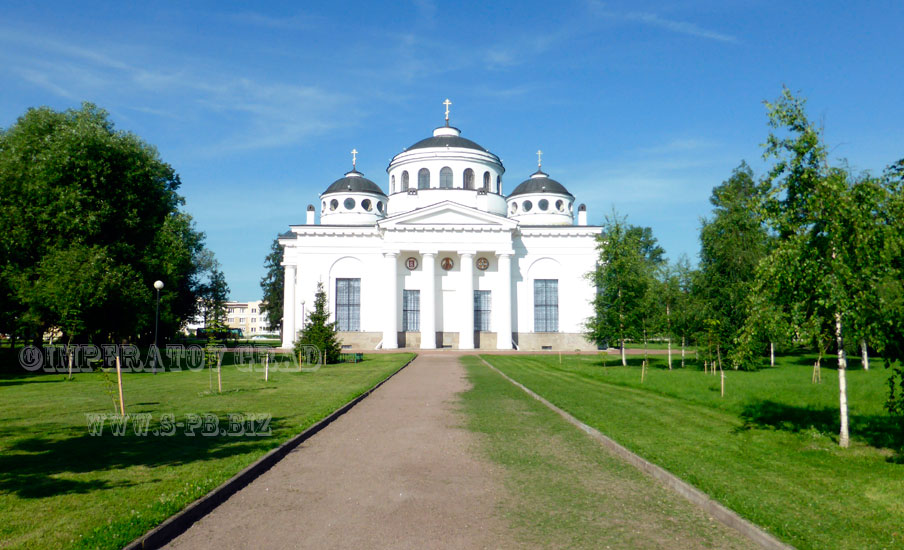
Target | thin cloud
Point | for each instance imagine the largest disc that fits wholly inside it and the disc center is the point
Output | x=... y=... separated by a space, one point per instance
x=292 y=22
x=682 y=27
x=655 y=20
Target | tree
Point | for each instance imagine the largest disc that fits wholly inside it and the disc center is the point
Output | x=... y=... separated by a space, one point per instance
x=72 y=188
x=732 y=243
x=684 y=314
x=272 y=285
x=318 y=331
x=889 y=326
x=623 y=277
x=214 y=293
x=815 y=271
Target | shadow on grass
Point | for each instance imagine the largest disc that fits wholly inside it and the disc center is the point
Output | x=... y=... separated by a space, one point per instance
x=881 y=431
x=30 y=467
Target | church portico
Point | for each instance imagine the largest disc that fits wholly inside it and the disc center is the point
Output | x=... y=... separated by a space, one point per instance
x=429 y=266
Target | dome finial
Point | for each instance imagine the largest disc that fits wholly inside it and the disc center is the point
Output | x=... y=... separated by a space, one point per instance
x=539 y=159
x=447 y=103
x=354 y=159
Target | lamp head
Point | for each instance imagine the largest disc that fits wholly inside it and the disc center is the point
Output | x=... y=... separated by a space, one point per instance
x=158 y=284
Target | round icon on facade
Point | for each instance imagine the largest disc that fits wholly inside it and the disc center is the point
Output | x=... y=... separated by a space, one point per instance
x=483 y=264
x=411 y=263
x=447 y=263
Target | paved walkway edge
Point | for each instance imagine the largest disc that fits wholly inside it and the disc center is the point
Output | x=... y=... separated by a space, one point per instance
x=683 y=488
x=177 y=524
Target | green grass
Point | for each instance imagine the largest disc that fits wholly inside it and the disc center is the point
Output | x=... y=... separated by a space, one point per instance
x=768 y=449
x=563 y=490
x=62 y=487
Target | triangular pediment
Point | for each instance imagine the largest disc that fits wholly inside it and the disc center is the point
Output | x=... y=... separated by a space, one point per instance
x=448 y=214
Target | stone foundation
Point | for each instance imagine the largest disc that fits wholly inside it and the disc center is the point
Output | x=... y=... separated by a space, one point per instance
x=527 y=341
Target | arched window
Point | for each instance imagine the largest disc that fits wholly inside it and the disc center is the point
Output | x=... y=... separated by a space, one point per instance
x=469 y=179
x=445 y=178
x=499 y=184
x=392 y=185
x=423 y=179
x=405 y=180
x=486 y=181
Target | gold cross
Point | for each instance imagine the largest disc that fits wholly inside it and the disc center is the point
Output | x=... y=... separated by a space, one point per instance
x=447 y=103
x=354 y=157
x=539 y=158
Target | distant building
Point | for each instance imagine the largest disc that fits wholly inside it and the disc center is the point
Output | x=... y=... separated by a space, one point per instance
x=244 y=316
x=248 y=317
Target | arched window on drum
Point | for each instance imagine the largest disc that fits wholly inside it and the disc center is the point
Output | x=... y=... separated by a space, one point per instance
x=405 y=180
x=423 y=179
x=486 y=181
x=469 y=179
x=445 y=178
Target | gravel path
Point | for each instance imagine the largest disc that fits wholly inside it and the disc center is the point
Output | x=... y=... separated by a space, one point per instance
x=397 y=471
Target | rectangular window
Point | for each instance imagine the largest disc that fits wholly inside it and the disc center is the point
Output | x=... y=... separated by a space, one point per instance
x=482 y=310
x=546 y=305
x=348 y=304
x=411 y=310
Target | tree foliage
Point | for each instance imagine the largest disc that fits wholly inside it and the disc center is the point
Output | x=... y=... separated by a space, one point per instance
x=624 y=306
x=272 y=285
x=732 y=243
x=89 y=219
x=318 y=331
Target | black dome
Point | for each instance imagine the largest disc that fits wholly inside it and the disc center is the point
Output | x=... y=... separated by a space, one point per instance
x=354 y=181
x=540 y=183
x=449 y=137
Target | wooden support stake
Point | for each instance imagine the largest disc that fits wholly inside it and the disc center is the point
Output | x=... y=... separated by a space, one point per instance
x=267 y=367
x=723 y=383
x=643 y=370
x=122 y=407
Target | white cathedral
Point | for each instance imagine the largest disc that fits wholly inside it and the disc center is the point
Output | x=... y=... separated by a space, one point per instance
x=446 y=259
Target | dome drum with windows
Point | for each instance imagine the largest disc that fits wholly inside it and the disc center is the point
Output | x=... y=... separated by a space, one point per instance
x=352 y=200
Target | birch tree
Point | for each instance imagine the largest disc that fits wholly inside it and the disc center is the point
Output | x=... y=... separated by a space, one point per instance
x=815 y=267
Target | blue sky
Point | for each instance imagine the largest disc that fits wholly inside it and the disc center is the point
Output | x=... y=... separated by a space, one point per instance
x=638 y=106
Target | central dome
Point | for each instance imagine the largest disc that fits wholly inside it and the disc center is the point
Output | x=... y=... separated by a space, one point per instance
x=447 y=136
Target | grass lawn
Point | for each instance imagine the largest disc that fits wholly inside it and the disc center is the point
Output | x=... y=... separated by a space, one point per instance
x=768 y=449
x=62 y=487
x=563 y=490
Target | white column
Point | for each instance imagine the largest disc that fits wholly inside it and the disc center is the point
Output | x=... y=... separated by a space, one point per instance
x=391 y=321
x=503 y=301
x=466 y=290
x=428 y=302
x=288 y=336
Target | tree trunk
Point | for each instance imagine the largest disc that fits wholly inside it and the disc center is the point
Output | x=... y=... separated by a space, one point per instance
x=843 y=437
x=668 y=317
x=864 y=355
x=682 y=351
x=771 y=354
x=69 y=352
x=670 y=353
x=624 y=360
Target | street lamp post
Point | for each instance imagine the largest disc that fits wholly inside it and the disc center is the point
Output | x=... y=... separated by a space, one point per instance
x=158 y=285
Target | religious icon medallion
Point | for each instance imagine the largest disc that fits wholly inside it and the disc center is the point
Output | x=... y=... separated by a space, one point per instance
x=483 y=264
x=447 y=263
x=411 y=263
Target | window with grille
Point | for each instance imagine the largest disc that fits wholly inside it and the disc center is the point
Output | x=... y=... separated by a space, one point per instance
x=482 y=308
x=348 y=304
x=546 y=305
x=411 y=310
